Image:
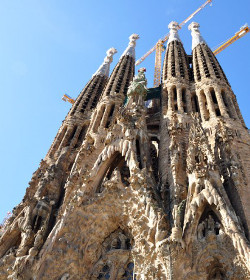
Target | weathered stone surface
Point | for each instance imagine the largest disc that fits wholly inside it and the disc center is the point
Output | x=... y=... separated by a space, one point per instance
x=129 y=192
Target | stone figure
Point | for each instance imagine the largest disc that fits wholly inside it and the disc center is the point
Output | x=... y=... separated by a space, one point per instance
x=138 y=89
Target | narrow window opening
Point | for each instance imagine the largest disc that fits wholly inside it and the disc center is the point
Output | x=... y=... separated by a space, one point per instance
x=204 y=101
x=217 y=111
x=195 y=104
x=203 y=59
x=138 y=153
x=216 y=107
x=110 y=116
x=37 y=221
x=213 y=96
x=98 y=119
x=154 y=157
x=175 y=94
x=184 y=100
x=175 y=99
x=72 y=135
x=80 y=138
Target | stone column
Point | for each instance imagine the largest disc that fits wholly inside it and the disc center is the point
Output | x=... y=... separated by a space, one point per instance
x=202 y=106
x=66 y=137
x=210 y=103
x=77 y=133
x=57 y=141
x=98 y=118
x=179 y=99
x=170 y=100
x=105 y=115
x=188 y=99
x=231 y=106
x=221 y=104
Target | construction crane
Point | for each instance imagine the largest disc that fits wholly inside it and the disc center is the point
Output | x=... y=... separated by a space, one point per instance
x=66 y=98
x=158 y=48
x=242 y=32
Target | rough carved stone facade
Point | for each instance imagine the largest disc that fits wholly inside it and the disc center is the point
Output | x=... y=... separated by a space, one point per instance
x=130 y=192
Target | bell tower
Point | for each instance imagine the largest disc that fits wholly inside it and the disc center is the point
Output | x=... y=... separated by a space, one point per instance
x=129 y=192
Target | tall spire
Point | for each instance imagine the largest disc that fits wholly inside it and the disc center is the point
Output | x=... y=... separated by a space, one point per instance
x=89 y=96
x=123 y=72
x=130 y=50
x=196 y=36
x=173 y=33
x=116 y=88
x=175 y=63
x=77 y=121
x=104 y=68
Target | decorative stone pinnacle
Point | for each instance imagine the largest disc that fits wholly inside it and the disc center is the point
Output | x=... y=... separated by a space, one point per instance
x=173 y=33
x=196 y=36
x=104 y=68
x=130 y=50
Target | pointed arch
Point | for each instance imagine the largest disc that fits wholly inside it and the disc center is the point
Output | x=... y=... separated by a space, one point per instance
x=106 y=168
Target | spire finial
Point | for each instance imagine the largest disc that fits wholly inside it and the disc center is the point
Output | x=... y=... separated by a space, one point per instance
x=173 y=33
x=196 y=36
x=104 y=68
x=130 y=50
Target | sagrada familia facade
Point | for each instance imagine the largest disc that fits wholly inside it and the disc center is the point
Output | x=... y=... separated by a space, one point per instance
x=129 y=191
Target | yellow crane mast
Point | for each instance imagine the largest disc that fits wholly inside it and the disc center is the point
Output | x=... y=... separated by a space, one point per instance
x=242 y=32
x=158 y=48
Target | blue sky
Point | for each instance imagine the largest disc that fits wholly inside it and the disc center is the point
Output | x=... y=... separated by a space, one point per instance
x=49 y=48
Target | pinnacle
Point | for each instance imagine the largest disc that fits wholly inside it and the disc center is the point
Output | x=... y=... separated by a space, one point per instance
x=173 y=33
x=130 y=50
x=196 y=36
x=104 y=68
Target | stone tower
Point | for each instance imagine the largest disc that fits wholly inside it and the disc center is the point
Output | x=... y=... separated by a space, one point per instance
x=130 y=192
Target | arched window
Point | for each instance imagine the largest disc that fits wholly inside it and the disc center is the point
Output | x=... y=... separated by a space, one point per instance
x=195 y=103
x=109 y=120
x=115 y=166
x=209 y=223
x=214 y=99
x=175 y=99
x=204 y=102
